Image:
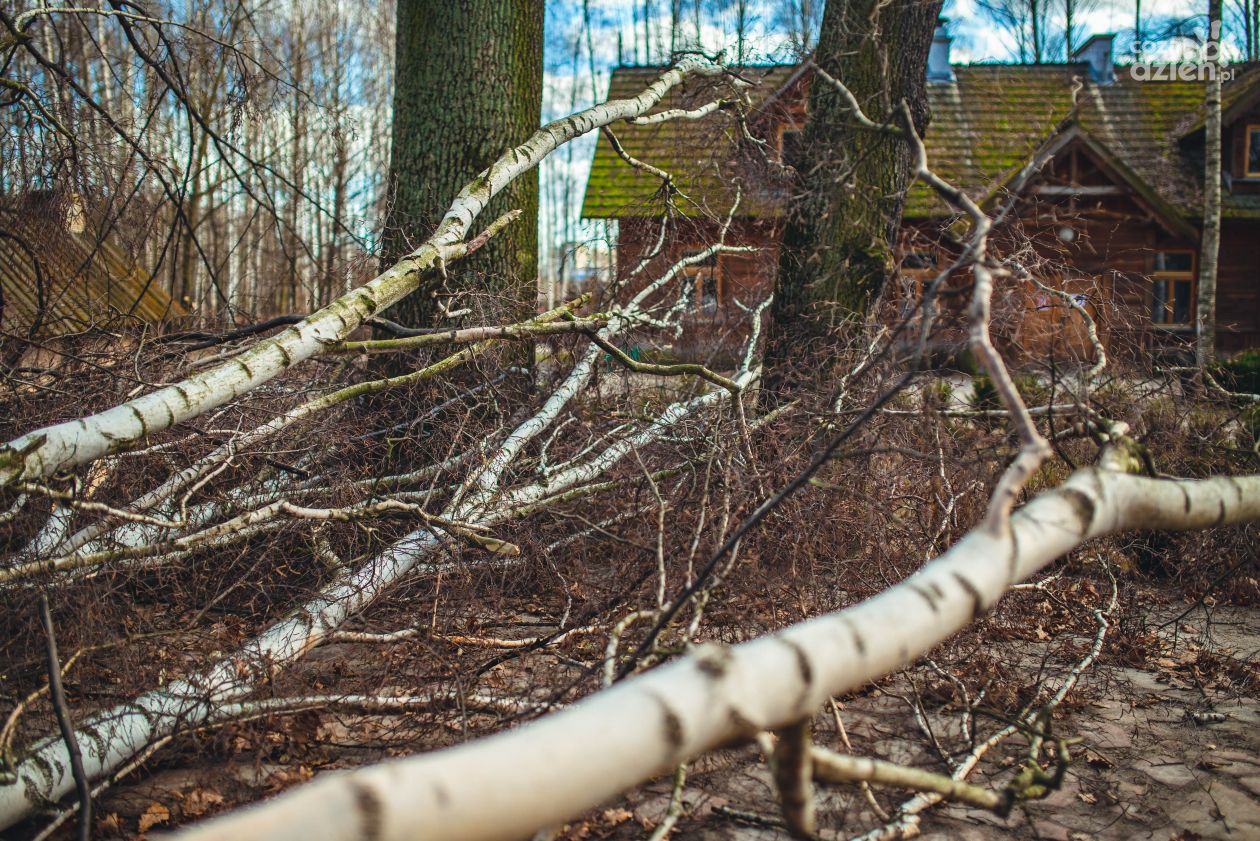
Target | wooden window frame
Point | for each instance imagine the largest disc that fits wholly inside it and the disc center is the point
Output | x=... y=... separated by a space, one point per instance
x=784 y=128
x=1252 y=129
x=1171 y=279
x=916 y=278
x=696 y=274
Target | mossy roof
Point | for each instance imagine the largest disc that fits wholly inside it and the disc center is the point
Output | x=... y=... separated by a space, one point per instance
x=704 y=156
x=985 y=126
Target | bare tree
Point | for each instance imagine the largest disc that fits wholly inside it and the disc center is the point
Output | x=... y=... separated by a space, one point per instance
x=1040 y=30
x=437 y=42
x=801 y=19
x=1209 y=251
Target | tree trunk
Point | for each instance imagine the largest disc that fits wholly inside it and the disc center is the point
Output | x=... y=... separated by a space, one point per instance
x=1137 y=31
x=1209 y=251
x=468 y=87
x=1037 y=36
x=1069 y=14
x=838 y=238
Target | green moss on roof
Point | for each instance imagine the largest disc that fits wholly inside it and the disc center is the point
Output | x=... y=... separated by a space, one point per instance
x=984 y=127
x=698 y=153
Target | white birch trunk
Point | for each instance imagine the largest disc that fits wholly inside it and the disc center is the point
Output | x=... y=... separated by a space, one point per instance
x=511 y=784
x=1210 y=245
x=39 y=454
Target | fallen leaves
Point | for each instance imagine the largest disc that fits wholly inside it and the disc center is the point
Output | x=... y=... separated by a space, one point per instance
x=201 y=800
x=1097 y=760
x=153 y=815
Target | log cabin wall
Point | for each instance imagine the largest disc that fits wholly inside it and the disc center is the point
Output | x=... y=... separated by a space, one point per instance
x=1131 y=267
x=715 y=329
x=1238 y=287
x=1113 y=220
x=1238 y=290
x=1108 y=259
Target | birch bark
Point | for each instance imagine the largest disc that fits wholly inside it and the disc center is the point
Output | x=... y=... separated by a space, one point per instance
x=570 y=761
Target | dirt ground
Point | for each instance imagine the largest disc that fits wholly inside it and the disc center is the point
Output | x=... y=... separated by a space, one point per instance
x=1163 y=755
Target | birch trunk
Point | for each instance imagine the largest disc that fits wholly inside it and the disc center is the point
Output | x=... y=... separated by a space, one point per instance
x=1209 y=252
x=511 y=784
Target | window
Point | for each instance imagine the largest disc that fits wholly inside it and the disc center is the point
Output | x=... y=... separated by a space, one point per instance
x=790 y=144
x=917 y=269
x=704 y=289
x=1172 y=288
x=1252 y=163
x=913 y=262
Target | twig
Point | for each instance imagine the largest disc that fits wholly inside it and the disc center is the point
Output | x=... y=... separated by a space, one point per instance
x=674 y=370
x=57 y=694
x=863 y=784
x=907 y=822
x=833 y=767
x=525 y=330
x=793 y=776
x=675 y=805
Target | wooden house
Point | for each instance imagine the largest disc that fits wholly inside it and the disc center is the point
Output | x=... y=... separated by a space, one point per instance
x=63 y=271
x=1114 y=217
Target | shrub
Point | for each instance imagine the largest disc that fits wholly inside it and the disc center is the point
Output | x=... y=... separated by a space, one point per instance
x=983 y=393
x=1242 y=373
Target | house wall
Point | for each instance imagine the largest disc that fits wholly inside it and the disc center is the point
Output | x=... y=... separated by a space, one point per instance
x=1238 y=287
x=1098 y=245
x=1234 y=151
x=1108 y=259
x=715 y=337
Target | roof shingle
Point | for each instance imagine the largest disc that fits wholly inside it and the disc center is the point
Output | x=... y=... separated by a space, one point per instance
x=57 y=276
x=985 y=126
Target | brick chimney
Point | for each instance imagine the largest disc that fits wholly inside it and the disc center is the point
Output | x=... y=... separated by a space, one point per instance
x=1097 y=53
x=939 y=70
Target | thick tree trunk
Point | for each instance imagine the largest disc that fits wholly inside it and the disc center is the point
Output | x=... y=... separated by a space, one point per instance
x=1209 y=250
x=838 y=238
x=468 y=88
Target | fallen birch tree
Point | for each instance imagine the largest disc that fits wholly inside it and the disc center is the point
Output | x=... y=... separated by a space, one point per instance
x=512 y=784
x=534 y=777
